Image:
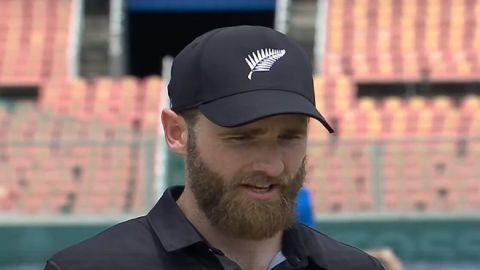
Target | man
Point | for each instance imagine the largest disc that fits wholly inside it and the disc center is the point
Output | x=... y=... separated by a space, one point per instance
x=241 y=98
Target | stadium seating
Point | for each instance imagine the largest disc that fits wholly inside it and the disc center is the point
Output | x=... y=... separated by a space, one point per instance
x=417 y=143
x=80 y=148
x=419 y=151
x=55 y=154
x=34 y=40
x=403 y=40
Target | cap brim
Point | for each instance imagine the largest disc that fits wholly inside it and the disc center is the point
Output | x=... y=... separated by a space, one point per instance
x=247 y=107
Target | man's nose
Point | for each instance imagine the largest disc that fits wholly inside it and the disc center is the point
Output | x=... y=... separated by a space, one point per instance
x=270 y=162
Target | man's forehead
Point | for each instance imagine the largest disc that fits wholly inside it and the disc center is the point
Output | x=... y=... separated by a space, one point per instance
x=283 y=121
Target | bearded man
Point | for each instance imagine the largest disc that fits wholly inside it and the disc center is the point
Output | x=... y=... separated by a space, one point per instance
x=241 y=100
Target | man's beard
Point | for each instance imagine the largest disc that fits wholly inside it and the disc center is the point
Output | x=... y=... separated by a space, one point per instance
x=234 y=213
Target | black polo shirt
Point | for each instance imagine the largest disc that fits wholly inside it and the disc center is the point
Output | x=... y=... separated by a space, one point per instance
x=165 y=239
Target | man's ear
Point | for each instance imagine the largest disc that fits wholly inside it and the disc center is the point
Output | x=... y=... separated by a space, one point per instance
x=176 y=131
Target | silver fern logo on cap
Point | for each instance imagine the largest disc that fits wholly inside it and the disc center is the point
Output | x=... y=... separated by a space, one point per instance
x=262 y=60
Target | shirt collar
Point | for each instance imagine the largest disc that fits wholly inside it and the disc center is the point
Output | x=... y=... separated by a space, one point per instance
x=170 y=224
x=300 y=248
x=176 y=232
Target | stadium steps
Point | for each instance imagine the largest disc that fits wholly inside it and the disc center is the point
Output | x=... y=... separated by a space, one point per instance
x=94 y=54
x=301 y=24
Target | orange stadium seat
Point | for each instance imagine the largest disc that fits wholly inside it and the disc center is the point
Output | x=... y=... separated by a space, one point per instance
x=441 y=108
x=367 y=120
x=469 y=111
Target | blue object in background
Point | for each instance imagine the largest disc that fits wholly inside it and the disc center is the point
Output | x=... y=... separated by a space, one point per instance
x=201 y=5
x=305 y=213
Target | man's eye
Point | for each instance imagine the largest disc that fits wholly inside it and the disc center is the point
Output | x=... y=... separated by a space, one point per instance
x=239 y=138
x=291 y=137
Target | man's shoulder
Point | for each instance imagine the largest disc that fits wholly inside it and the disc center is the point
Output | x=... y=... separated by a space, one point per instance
x=335 y=254
x=110 y=248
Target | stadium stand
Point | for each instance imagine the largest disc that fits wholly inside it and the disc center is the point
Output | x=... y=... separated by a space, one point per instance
x=34 y=40
x=76 y=149
x=406 y=40
x=124 y=103
x=49 y=170
x=83 y=146
x=421 y=141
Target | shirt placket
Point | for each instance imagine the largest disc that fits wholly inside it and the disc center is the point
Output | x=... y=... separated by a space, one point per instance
x=227 y=263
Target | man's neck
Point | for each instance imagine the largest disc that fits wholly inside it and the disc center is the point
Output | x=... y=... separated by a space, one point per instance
x=248 y=254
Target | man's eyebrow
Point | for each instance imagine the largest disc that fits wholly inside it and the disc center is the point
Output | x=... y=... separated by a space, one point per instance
x=295 y=130
x=243 y=131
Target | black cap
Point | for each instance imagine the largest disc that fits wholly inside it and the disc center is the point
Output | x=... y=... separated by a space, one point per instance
x=240 y=74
